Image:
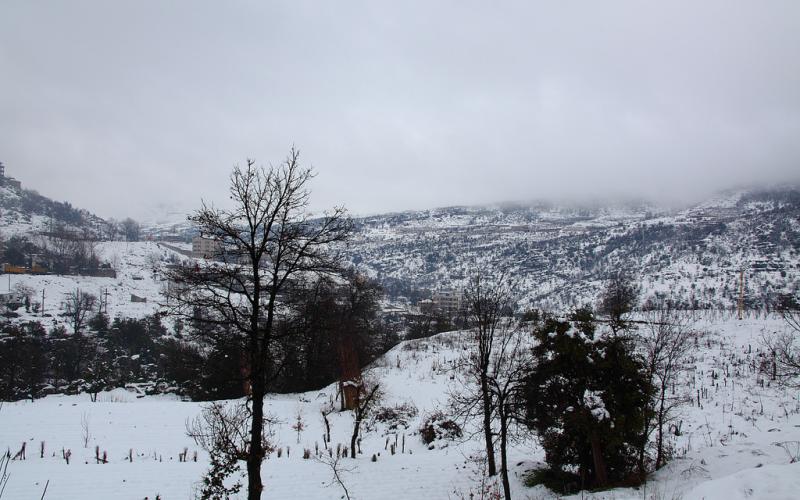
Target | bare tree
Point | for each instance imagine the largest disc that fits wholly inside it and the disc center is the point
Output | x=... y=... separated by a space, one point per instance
x=509 y=365
x=223 y=430
x=359 y=297
x=784 y=345
x=26 y=292
x=509 y=361
x=367 y=396
x=265 y=241
x=131 y=229
x=666 y=339
x=86 y=435
x=5 y=458
x=618 y=299
x=67 y=249
x=77 y=308
x=485 y=300
x=333 y=461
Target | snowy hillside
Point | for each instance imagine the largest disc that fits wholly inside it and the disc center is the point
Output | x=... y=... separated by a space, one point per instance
x=560 y=255
x=24 y=212
x=134 y=263
x=730 y=447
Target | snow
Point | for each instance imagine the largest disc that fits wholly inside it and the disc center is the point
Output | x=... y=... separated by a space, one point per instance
x=131 y=260
x=594 y=401
x=727 y=448
x=772 y=481
x=155 y=427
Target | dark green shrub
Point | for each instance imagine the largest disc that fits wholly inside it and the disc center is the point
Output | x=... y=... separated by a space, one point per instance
x=586 y=398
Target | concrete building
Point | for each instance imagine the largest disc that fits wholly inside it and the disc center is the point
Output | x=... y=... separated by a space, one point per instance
x=448 y=302
x=205 y=248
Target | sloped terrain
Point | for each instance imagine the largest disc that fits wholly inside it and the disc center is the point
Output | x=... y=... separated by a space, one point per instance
x=560 y=255
x=729 y=447
x=25 y=212
x=134 y=263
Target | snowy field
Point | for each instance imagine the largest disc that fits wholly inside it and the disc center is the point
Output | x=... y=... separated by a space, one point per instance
x=728 y=448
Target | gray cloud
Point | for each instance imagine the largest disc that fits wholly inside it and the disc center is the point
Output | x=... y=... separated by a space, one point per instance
x=122 y=107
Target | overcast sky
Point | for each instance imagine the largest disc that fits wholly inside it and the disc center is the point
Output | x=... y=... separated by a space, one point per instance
x=126 y=108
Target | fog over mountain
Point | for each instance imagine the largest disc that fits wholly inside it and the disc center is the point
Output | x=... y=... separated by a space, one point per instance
x=126 y=107
x=561 y=255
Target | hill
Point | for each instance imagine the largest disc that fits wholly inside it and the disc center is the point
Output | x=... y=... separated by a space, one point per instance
x=39 y=234
x=730 y=445
x=561 y=255
x=25 y=212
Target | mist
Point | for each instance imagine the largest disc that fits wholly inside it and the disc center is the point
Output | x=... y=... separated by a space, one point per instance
x=141 y=109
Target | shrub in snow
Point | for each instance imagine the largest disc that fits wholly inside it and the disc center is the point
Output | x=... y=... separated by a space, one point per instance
x=438 y=426
x=222 y=430
x=396 y=416
x=586 y=397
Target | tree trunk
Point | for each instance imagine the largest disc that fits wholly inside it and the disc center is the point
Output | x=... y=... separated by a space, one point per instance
x=660 y=430
x=258 y=390
x=643 y=445
x=503 y=454
x=354 y=437
x=254 y=457
x=327 y=429
x=600 y=474
x=487 y=425
x=348 y=362
x=244 y=371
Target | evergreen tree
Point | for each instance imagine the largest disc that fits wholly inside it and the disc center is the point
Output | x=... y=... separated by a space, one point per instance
x=586 y=397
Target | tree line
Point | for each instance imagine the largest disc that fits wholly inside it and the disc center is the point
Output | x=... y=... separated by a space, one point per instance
x=91 y=352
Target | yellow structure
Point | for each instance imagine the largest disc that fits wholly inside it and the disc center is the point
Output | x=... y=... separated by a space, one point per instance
x=9 y=269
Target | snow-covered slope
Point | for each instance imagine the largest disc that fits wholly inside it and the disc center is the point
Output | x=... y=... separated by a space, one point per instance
x=560 y=255
x=728 y=447
x=134 y=263
x=24 y=212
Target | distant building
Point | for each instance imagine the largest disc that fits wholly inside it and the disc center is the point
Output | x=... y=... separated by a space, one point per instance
x=8 y=181
x=447 y=302
x=12 y=300
x=425 y=306
x=205 y=248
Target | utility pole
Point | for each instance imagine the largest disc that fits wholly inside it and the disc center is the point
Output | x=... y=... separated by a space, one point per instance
x=105 y=301
x=43 y=302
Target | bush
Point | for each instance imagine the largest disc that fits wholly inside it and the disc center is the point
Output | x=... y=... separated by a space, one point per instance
x=438 y=426
x=562 y=482
x=586 y=398
x=396 y=416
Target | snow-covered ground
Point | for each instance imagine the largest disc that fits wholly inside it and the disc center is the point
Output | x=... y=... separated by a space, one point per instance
x=134 y=263
x=728 y=447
